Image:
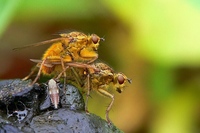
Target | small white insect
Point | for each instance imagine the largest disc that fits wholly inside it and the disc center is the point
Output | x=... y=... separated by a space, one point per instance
x=53 y=92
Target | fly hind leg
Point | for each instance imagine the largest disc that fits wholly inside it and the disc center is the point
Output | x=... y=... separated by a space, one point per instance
x=88 y=93
x=39 y=72
x=63 y=73
x=107 y=94
x=31 y=73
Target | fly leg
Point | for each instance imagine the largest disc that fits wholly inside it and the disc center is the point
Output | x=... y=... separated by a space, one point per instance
x=88 y=93
x=39 y=72
x=64 y=73
x=107 y=94
x=77 y=77
x=30 y=74
x=92 y=60
x=59 y=76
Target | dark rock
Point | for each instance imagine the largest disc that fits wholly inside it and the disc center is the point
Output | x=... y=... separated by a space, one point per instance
x=22 y=110
x=8 y=128
x=72 y=98
x=69 y=98
x=19 y=101
x=9 y=89
x=65 y=120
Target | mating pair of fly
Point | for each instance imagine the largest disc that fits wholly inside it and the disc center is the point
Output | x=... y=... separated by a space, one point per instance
x=73 y=56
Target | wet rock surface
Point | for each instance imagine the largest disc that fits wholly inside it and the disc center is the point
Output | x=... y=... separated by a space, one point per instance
x=25 y=108
x=65 y=120
x=10 y=89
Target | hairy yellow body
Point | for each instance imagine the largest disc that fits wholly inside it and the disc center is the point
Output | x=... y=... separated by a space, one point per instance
x=72 y=47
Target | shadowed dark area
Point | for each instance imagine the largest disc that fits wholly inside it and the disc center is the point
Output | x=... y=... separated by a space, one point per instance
x=18 y=114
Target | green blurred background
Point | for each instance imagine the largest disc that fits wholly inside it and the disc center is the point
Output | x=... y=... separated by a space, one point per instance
x=155 y=43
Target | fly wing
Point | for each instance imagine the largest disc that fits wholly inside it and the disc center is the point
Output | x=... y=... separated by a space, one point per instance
x=47 y=63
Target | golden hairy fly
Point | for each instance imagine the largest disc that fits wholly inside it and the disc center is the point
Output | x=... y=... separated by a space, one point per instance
x=98 y=77
x=73 y=56
x=70 y=47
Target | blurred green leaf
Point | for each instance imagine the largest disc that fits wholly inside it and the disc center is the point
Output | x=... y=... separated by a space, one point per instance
x=161 y=82
x=177 y=114
x=48 y=10
x=7 y=11
x=164 y=32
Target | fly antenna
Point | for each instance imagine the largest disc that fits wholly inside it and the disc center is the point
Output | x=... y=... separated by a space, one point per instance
x=38 y=44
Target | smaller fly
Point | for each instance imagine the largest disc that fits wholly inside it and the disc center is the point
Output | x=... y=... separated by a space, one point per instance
x=95 y=76
x=53 y=91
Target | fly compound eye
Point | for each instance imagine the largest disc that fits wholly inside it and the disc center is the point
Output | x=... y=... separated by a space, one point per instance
x=95 y=39
x=120 y=79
